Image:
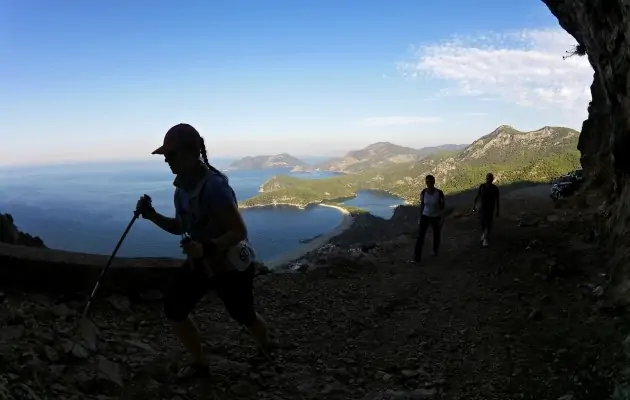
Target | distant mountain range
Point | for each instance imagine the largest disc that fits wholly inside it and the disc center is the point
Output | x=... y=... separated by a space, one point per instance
x=382 y=154
x=377 y=155
x=511 y=155
x=277 y=161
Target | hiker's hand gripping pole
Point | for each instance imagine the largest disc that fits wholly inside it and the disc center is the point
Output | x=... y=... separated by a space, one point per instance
x=136 y=214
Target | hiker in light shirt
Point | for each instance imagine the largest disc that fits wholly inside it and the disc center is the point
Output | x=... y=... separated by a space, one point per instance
x=432 y=204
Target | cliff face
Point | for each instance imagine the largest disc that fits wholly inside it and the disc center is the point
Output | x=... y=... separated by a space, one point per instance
x=603 y=29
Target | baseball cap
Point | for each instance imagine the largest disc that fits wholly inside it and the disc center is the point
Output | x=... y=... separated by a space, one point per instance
x=180 y=136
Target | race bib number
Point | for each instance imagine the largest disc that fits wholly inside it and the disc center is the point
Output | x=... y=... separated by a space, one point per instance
x=241 y=256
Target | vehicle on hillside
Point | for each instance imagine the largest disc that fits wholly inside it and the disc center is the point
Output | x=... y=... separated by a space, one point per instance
x=565 y=185
x=576 y=176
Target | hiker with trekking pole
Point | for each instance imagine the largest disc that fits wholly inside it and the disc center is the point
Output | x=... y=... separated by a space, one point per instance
x=214 y=238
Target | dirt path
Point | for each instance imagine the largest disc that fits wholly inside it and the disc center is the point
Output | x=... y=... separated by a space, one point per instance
x=507 y=322
x=538 y=192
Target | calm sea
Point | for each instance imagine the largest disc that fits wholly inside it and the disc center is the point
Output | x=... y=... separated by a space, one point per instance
x=86 y=207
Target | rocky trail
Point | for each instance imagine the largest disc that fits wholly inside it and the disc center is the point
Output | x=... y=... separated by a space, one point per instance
x=524 y=319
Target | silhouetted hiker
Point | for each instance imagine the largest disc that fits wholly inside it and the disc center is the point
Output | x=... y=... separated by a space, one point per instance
x=219 y=256
x=488 y=193
x=432 y=204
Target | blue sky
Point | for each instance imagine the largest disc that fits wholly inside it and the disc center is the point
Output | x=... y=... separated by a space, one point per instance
x=105 y=79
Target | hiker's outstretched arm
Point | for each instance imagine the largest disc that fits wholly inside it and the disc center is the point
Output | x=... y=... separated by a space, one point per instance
x=170 y=225
x=442 y=201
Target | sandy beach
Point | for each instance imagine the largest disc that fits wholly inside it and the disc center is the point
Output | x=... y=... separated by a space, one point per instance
x=315 y=243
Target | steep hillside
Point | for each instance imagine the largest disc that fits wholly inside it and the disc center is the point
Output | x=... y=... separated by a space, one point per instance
x=508 y=145
x=283 y=160
x=380 y=155
x=511 y=155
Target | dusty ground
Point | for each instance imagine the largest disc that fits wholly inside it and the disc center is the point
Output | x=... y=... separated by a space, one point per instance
x=523 y=319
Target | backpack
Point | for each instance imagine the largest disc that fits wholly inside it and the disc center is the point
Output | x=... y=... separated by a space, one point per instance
x=241 y=255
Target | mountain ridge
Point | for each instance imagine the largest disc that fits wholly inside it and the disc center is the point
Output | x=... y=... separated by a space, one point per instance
x=511 y=155
x=282 y=160
x=379 y=155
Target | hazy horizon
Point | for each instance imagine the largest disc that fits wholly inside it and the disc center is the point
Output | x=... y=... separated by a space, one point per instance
x=219 y=162
x=105 y=80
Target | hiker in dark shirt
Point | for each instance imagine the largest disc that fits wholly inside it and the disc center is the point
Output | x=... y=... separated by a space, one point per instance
x=488 y=193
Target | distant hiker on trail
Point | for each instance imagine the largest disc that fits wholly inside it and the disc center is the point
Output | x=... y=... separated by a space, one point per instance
x=432 y=204
x=488 y=193
x=219 y=256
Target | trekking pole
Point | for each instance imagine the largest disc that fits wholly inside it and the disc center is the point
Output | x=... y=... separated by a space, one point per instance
x=136 y=214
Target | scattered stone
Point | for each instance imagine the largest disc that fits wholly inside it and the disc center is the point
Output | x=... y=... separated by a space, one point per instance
x=334 y=388
x=79 y=351
x=598 y=291
x=242 y=388
x=306 y=387
x=51 y=354
x=62 y=311
x=141 y=345
x=9 y=333
x=89 y=333
x=535 y=314
x=120 y=303
x=110 y=371
x=396 y=394
x=420 y=394
x=339 y=373
x=411 y=373
x=152 y=296
x=57 y=370
x=30 y=394
x=66 y=346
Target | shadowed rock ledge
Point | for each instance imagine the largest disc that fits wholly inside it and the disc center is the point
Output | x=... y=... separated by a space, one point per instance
x=49 y=270
x=10 y=234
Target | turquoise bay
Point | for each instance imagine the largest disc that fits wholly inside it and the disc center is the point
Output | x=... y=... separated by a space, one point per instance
x=86 y=207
